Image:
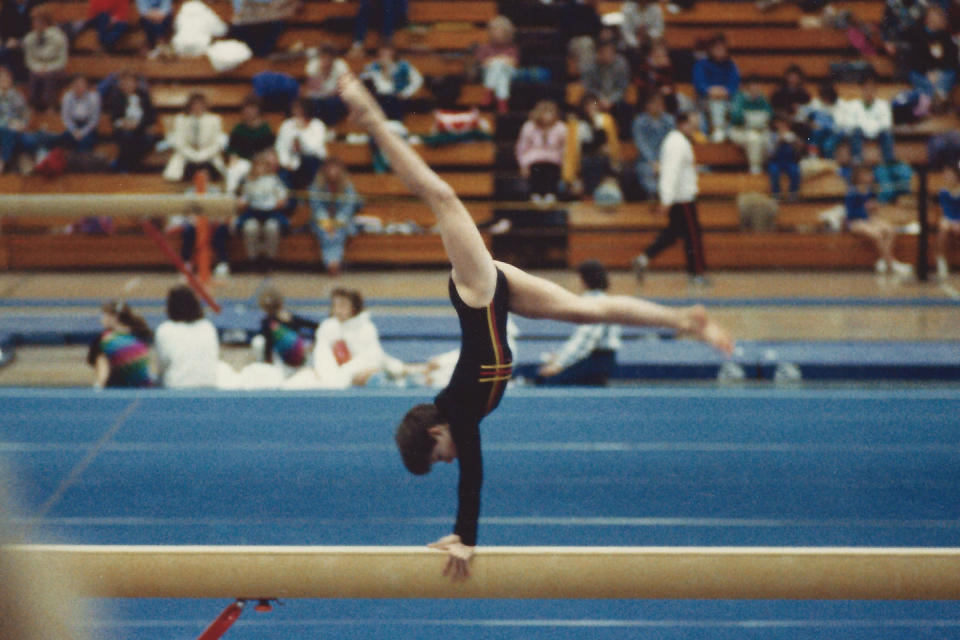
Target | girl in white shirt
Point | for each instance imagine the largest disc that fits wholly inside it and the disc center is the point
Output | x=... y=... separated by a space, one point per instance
x=301 y=146
x=187 y=346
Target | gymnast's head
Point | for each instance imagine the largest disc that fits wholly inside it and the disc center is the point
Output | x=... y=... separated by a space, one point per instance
x=424 y=438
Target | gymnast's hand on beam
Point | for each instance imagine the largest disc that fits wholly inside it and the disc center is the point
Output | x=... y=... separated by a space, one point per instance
x=459 y=556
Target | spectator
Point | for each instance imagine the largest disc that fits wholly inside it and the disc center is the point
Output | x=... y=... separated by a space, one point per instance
x=902 y=19
x=791 y=94
x=822 y=118
x=301 y=146
x=110 y=19
x=785 y=150
x=350 y=336
x=870 y=118
x=393 y=14
x=934 y=58
x=260 y=23
x=393 y=82
x=750 y=114
x=540 y=150
x=218 y=238
x=249 y=137
x=14 y=26
x=45 y=56
x=642 y=24
x=650 y=128
x=657 y=75
x=156 y=20
x=188 y=349
x=608 y=78
x=949 y=200
x=120 y=355
x=499 y=58
x=579 y=27
x=132 y=115
x=862 y=220
x=892 y=179
x=14 y=117
x=262 y=203
x=592 y=147
x=282 y=333
x=716 y=80
x=197 y=141
x=333 y=204
x=589 y=356
x=323 y=70
x=80 y=111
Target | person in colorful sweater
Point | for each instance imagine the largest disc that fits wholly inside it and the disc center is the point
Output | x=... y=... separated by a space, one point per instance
x=394 y=82
x=120 y=355
x=281 y=332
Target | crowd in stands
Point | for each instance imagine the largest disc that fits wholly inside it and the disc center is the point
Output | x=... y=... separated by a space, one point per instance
x=624 y=64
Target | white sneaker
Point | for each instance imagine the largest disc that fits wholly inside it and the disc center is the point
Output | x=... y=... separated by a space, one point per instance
x=943 y=269
x=880 y=267
x=640 y=264
x=222 y=270
x=902 y=268
x=549 y=198
x=718 y=135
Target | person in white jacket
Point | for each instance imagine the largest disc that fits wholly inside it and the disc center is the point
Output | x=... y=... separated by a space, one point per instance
x=678 y=193
x=301 y=146
x=869 y=118
x=187 y=346
x=198 y=140
x=348 y=340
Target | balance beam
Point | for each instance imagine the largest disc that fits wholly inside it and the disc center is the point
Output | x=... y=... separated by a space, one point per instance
x=805 y=573
x=80 y=205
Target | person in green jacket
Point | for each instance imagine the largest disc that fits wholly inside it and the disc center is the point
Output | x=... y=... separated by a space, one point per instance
x=750 y=115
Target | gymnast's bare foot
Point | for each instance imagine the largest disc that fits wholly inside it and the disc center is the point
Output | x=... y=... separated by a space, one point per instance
x=699 y=325
x=363 y=107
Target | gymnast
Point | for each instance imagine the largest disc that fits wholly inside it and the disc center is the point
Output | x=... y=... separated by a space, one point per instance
x=482 y=291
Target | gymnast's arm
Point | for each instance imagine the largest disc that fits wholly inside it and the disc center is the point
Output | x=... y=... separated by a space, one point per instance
x=473 y=271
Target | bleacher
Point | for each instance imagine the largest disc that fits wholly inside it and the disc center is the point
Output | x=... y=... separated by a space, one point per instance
x=762 y=43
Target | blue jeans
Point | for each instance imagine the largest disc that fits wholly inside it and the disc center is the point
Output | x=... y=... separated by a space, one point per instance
x=791 y=169
x=108 y=32
x=188 y=241
x=884 y=139
x=83 y=145
x=156 y=31
x=394 y=15
x=941 y=88
x=826 y=141
x=332 y=243
x=331 y=110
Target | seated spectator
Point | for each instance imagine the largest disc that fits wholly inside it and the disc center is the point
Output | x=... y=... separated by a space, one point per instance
x=333 y=204
x=589 y=356
x=197 y=141
x=14 y=26
x=657 y=75
x=891 y=179
x=592 y=147
x=45 y=51
x=301 y=146
x=499 y=58
x=320 y=88
x=14 y=117
x=934 y=58
x=110 y=19
x=785 y=153
x=608 y=78
x=260 y=23
x=249 y=137
x=393 y=82
x=901 y=21
x=80 y=111
x=870 y=118
x=156 y=20
x=132 y=115
x=791 y=94
x=642 y=25
x=393 y=15
x=750 y=114
x=120 y=355
x=188 y=349
x=262 y=206
x=219 y=231
x=862 y=220
x=578 y=28
x=821 y=118
x=716 y=81
x=281 y=334
x=649 y=130
x=949 y=225
x=540 y=150
x=351 y=338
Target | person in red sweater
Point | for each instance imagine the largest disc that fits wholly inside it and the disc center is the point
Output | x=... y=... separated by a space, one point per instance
x=111 y=19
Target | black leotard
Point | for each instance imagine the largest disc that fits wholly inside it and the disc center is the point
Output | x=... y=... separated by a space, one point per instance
x=478 y=383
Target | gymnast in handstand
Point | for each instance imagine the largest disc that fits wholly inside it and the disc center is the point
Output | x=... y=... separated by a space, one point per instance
x=482 y=291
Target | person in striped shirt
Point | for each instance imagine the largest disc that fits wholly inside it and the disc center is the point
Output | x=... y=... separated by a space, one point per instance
x=120 y=355
x=589 y=356
x=482 y=292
